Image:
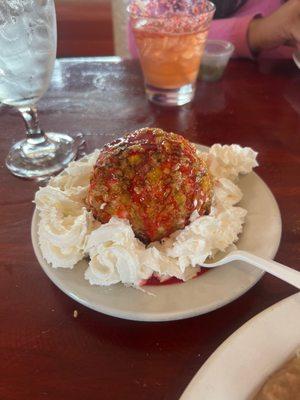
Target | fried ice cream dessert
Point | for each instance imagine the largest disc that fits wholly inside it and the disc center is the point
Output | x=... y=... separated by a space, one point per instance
x=152 y=178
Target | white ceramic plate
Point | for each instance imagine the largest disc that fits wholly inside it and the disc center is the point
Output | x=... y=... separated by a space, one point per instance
x=241 y=365
x=220 y=286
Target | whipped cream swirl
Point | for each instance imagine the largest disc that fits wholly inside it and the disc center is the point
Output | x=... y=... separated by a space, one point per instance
x=68 y=232
x=64 y=220
x=230 y=161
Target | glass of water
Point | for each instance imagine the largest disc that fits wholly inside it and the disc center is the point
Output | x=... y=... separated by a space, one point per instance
x=27 y=56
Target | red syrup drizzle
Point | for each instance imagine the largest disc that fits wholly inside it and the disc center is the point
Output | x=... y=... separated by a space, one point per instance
x=154 y=281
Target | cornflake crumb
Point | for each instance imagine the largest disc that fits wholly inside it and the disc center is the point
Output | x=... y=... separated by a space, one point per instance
x=75 y=313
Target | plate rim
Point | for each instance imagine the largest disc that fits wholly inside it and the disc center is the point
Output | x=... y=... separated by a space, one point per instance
x=188 y=393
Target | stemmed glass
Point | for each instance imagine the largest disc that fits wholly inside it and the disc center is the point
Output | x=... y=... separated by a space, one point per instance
x=27 y=55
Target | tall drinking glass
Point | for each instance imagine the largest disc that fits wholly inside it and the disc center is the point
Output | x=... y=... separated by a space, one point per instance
x=27 y=56
x=170 y=36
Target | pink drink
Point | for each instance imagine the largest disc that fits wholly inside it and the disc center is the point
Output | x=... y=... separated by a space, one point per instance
x=170 y=37
x=170 y=60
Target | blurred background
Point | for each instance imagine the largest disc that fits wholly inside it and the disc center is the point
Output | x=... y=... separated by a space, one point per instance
x=91 y=27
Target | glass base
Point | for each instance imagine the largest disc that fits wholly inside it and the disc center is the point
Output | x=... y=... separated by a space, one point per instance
x=170 y=97
x=28 y=160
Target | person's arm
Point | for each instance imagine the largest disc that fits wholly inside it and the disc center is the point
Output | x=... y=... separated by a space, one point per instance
x=256 y=27
x=280 y=28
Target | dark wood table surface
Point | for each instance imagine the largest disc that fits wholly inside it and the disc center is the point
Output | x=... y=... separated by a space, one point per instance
x=84 y=28
x=46 y=353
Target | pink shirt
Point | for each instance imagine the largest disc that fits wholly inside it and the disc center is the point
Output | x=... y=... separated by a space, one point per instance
x=234 y=29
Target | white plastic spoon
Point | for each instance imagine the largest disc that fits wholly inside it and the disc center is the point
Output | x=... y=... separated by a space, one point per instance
x=281 y=271
x=296 y=56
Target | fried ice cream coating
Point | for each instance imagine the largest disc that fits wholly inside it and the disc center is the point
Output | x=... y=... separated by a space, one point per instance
x=154 y=179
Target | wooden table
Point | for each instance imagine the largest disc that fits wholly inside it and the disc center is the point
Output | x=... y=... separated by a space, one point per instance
x=46 y=353
x=84 y=28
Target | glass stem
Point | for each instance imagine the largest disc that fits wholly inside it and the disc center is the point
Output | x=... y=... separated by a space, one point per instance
x=35 y=135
